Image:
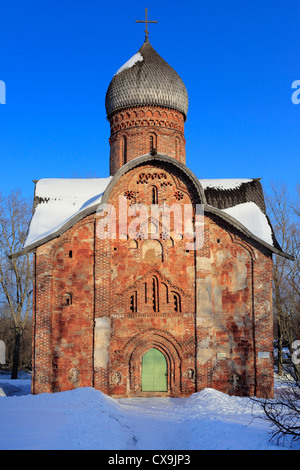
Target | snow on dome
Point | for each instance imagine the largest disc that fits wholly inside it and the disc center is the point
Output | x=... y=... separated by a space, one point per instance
x=131 y=62
x=146 y=80
x=59 y=200
x=250 y=215
x=226 y=183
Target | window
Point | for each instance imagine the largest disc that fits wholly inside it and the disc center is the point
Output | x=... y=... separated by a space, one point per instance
x=152 y=144
x=176 y=300
x=124 y=149
x=133 y=303
x=155 y=294
x=177 y=148
x=67 y=299
x=154 y=194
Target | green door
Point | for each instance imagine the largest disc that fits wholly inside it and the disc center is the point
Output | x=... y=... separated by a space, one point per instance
x=154 y=371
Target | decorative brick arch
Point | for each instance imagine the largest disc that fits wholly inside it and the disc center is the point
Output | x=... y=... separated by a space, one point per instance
x=167 y=345
x=164 y=163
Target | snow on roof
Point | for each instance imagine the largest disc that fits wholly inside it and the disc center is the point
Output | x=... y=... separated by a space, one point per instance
x=131 y=62
x=250 y=215
x=228 y=183
x=59 y=200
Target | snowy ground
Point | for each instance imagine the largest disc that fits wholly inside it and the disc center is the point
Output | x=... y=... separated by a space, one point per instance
x=87 y=419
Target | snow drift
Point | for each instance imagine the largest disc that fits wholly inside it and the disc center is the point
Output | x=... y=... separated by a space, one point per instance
x=87 y=419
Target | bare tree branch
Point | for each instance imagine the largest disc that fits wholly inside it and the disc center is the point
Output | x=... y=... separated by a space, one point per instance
x=15 y=273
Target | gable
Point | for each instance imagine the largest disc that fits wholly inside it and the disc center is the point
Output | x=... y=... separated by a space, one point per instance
x=60 y=203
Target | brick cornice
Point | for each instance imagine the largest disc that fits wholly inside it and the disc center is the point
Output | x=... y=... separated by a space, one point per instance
x=146 y=116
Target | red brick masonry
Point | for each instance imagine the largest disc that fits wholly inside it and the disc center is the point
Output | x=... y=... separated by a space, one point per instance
x=100 y=304
x=143 y=127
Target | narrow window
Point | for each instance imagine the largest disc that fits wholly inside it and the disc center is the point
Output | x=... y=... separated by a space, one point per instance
x=70 y=254
x=124 y=149
x=152 y=144
x=155 y=296
x=177 y=148
x=154 y=195
x=164 y=293
x=176 y=300
x=133 y=302
x=67 y=299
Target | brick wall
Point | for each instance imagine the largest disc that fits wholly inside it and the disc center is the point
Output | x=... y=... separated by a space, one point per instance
x=64 y=311
x=234 y=315
x=100 y=304
x=134 y=131
x=153 y=300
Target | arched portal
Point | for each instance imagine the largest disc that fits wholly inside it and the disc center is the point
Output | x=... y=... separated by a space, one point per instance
x=162 y=350
x=154 y=371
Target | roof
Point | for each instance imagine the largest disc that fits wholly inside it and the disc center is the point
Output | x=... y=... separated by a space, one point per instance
x=225 y=193
x=60 y=203
x=146 y=79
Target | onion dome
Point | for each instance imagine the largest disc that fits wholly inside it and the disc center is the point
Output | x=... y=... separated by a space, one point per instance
x=145 y=80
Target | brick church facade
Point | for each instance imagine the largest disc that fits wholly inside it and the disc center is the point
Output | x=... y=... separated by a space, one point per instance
x=138 y=308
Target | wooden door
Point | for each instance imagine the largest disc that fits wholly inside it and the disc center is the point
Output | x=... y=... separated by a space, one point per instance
x=154 y=371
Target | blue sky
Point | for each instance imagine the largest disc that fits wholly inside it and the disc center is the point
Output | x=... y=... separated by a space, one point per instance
x=237 y=59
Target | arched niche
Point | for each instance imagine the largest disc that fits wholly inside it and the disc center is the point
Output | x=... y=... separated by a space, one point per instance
x=152 y=251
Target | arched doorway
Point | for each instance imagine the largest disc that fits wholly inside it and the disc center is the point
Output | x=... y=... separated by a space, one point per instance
x=154 y=371
x=171 y=357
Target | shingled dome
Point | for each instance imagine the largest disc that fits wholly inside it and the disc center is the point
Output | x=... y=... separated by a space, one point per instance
x=146 y=79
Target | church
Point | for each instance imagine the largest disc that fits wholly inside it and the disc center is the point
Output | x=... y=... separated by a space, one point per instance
x=151 y=281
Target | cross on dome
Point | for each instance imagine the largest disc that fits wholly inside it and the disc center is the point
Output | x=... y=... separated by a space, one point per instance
x=146 y=21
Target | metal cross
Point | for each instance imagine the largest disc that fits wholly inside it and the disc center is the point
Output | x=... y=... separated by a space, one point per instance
x=146 y=22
